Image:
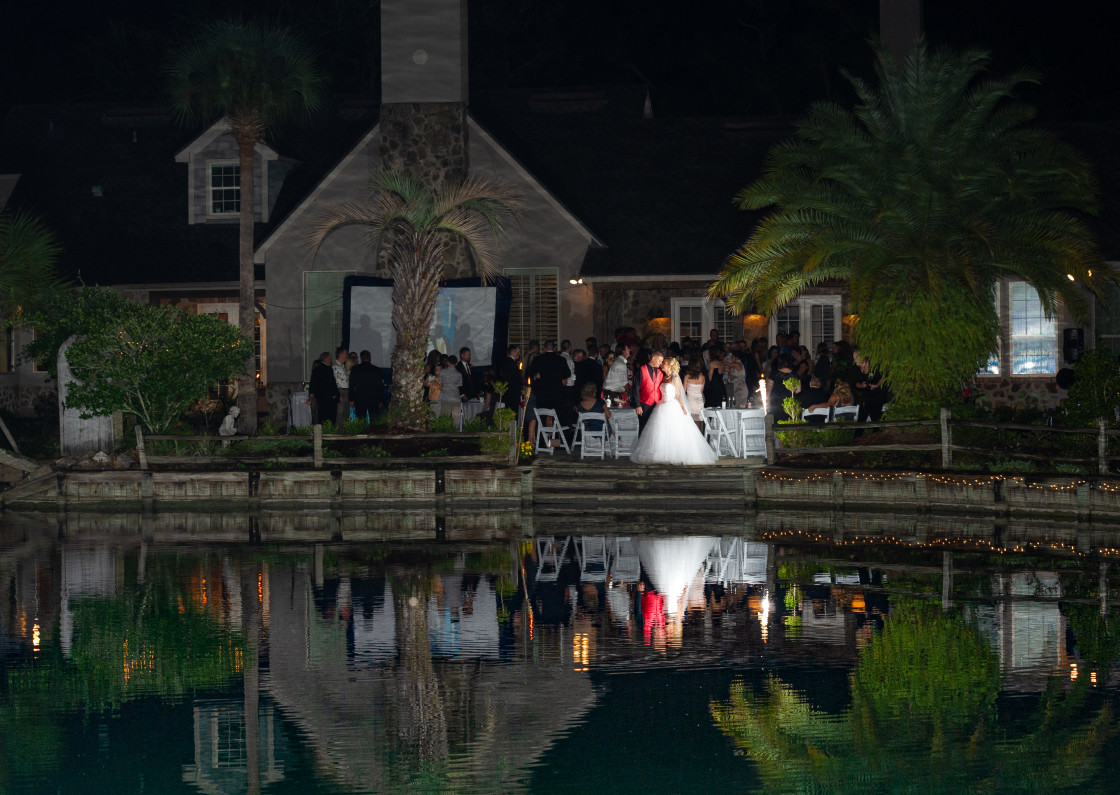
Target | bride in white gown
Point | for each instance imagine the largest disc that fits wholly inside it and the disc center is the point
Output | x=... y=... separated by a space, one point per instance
x=670 y=435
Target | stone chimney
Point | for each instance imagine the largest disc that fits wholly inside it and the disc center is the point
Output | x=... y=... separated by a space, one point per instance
x=424 y=89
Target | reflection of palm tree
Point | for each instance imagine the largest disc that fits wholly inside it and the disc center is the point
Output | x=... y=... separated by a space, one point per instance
x=421 y=722
x=923 y=718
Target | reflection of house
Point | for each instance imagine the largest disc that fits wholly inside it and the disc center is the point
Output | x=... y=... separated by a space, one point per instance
x=221 y=754
x=1028 y=634
x=86 y=571
x=346 y=701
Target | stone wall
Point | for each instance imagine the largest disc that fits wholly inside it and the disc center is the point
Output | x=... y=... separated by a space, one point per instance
x=1020 y=392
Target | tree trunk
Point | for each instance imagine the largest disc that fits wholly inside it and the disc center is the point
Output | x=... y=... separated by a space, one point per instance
x=246 y=300
x=415 y=284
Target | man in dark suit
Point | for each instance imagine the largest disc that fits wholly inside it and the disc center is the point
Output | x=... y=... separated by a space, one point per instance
x=510 y=372
x=549 y=376
x=324 y=390
x=367 y=387
x=587 y=370
x=469 y=388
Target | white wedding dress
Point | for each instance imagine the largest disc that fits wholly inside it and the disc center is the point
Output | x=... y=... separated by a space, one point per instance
x=670 y=435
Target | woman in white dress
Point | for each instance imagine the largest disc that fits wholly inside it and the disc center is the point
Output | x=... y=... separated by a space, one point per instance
x=670 y=435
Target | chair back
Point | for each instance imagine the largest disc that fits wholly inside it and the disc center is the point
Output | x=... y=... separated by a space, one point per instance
x=624 y=432
x=752 y=432
x=844 y=414
x=807 y=413
x=591 y=441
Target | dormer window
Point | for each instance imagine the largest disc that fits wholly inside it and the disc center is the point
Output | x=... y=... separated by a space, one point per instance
x=225 y=188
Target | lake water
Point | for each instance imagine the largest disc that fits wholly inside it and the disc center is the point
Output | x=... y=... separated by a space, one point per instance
x=772 y=661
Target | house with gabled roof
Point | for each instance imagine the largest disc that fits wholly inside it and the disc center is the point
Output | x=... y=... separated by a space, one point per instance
x=628 y=215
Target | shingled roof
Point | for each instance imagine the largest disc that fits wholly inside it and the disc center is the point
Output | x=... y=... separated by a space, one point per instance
x=105 y=179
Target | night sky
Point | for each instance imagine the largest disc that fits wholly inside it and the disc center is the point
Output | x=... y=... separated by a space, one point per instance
x=714 y=58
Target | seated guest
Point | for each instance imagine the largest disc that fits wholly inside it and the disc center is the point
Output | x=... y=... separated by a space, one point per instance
x=590 y=402
x=841 y=396
x=813 y=394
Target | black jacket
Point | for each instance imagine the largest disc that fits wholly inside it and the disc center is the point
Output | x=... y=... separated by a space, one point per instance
x=367 y=384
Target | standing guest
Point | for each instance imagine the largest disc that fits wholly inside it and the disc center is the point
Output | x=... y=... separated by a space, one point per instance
x=604 y=351
x=873 y=396
x=715 y=393
x=532 y=353
x=647 y=388
x=587 y=371
x=469 y=389
x=660 y=344
x=570 y=384
x=616 y=380
x=776 y=388
x=549 y=375
x=324 y=390
x=433 y=386
x=694 y=391
x=367 y=388
x=450 y=396
x=713 y=339
x=822 y=367
x=510 y=372
x=342 y=381
x=592 y=346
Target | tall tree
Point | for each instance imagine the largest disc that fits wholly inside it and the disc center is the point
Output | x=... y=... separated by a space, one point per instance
x=420 y=232
x=921 y=197
x=257 y=76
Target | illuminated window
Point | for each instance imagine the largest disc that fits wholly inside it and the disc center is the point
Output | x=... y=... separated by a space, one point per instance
x=695 y=317
x=1033 y=345
x=815 y=317
x=224 y=189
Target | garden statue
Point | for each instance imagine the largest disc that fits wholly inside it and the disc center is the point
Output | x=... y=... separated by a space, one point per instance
x=229 y=423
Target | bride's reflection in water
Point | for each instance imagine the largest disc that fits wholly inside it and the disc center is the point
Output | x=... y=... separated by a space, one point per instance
x=491 y=665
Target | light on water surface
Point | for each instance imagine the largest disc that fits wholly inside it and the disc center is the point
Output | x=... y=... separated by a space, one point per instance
x=795 y=659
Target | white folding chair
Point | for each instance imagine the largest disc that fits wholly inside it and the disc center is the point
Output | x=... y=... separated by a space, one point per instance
x=625 y=565
x=844 y=414
x=594 y=560
x=718 y=435
x=551 y=553
x=546 y=433
x=624 y=432
x=752 y=432
x=807 y=413
x=591 y=441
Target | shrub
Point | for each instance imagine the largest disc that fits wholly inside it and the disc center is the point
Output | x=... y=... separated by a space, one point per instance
x=356 y=425
x=1096 y=392
x=268 y=429
x=443 y=424
x=329 y=426
x=372 y=451
x=503 y=417
x=437 y=453
x=477 y=425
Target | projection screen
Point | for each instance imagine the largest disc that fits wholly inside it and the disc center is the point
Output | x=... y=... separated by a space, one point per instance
x=468 y=314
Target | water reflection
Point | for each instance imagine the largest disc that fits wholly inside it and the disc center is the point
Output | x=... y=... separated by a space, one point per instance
x=498 y=666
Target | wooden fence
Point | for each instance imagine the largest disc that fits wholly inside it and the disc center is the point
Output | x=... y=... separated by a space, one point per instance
x=317 y=438
x=945 y=424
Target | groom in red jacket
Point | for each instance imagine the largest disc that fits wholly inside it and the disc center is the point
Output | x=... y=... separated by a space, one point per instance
x=648 y=379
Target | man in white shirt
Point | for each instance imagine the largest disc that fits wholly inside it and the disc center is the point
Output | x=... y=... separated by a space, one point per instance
x=342 y=381
x=615 y=384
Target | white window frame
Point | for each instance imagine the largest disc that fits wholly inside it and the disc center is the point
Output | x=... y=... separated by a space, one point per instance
x=804 y=304
x=210 y=165
x=1049 y=331
x=710 y=310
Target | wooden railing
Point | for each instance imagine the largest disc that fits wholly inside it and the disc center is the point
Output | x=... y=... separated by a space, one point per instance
x=317 y=438
x=946 y=424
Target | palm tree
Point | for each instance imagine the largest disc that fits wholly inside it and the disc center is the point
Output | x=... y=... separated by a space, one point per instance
x=257 y=76
x=28 y=256
x=921 y=197
x=421 y=232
